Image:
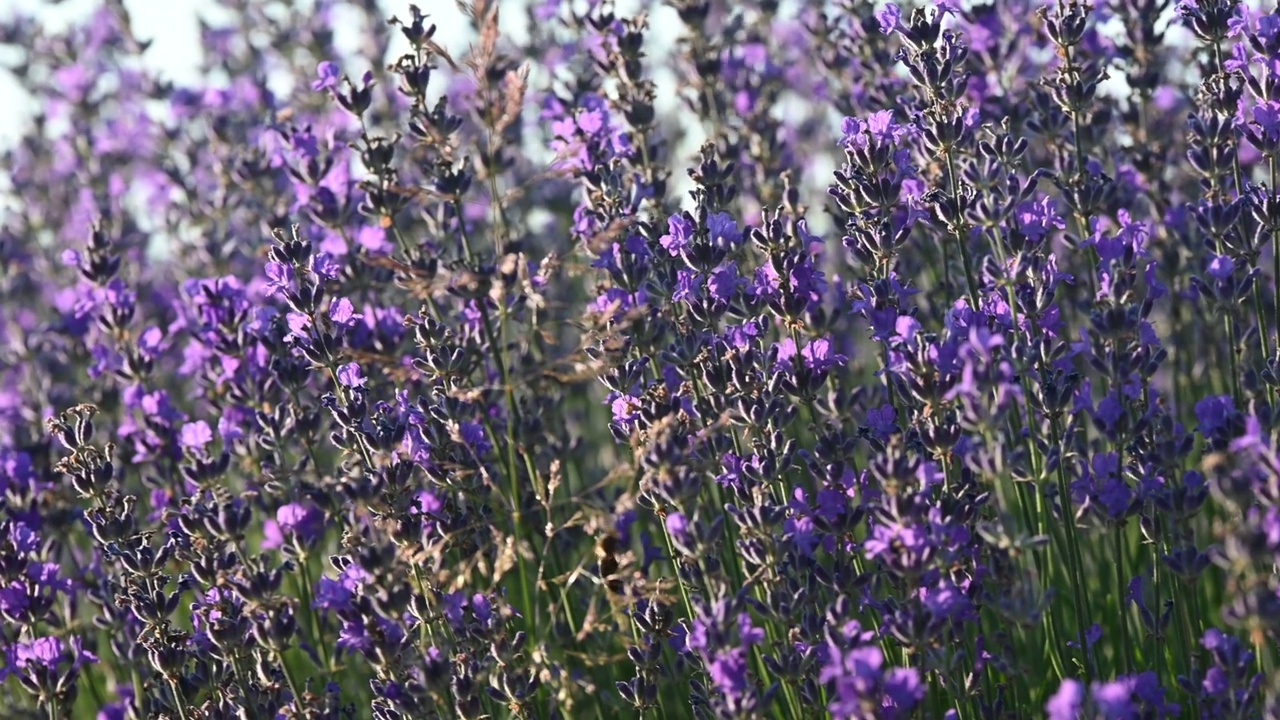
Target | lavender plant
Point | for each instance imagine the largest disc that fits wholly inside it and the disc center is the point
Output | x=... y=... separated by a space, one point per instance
x=675 y=360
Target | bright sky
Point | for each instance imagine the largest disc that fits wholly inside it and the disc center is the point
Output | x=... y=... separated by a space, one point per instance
x=175 y=52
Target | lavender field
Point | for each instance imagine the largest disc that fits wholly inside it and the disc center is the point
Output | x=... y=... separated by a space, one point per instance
x=678 y=359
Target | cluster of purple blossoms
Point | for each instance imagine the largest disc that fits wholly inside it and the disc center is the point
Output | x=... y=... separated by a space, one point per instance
x=690 y=359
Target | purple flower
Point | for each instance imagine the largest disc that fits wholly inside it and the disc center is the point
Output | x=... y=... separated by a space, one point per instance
x=24 y=538
x=723 y=229
x=14 y=600
x=328 y=74
x=353 y=637
x=349 y=375
x=41 y=652
x=196 y=435
x=748 y=634
x=481 y=608
x=1067 y=703
x=342 y=313
x=1112 y=699
x=861 y=683
x=45 y=575
x=279 y=278
x=272 y=538
x=784 y=353
x=903 y=690
x=820 y=357
x=1266 y=115
x=626 y=410
x=1038 y=218
x=326 y=266
x=889 y=18
x=337 y=594
x=688 y=283
x=1213 y=413
x=1221 y=267
x=728 y=671
x=303 y=521
x=723 y=283
x=299 y=326
x=472 y=435
x=679 y=234
x=454 y=603
x=118 y=710
x=881 y=421
x=677 y=525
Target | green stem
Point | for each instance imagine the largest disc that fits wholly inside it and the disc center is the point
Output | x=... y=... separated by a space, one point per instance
x=178 y=700
x=1083 y=621
x=531 y=600
x=307 y=599
x=961 y=240
x=1188 y=640
x=288 y=678
x=1275 y=253
x=1126 y=648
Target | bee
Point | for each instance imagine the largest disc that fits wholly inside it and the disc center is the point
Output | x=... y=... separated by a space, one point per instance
x=607 y=546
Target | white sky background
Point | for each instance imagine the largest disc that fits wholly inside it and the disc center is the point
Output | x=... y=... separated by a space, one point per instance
x=172 y=27
x=175 y=52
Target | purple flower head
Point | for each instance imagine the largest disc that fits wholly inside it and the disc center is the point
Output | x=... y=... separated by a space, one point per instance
x=679 y=234
x=626 y=410
x=677 y=525
x=748 y=634
x=723 y=283
x=806 y=284
x=196 y=435
x=1213 y=413
x=303 y=521
x=861 y=683
x=24 y=539
x=48 y=653
x=723 y=229
x=742 y=336
x=945 y=601
x=481 y=608
x=1067 y=703
x=349 y=375
x=1112 y=699
x=890 y=18
x=473 y=436
x=1221 y=267
x=820 y=357
x=784 y=354
x=272 y=538
x=41 y=652
x=279 y=278
x=120 y=709
x=688 y=283
x=903 y=690
x=881 y=421
x=1038 y=218
x=328 y=74
x=1266 y=117
x=728 y=671
x=14 y=600
x=337 y=594
x=326 y=266
x=342 y=313
x=45 y=576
